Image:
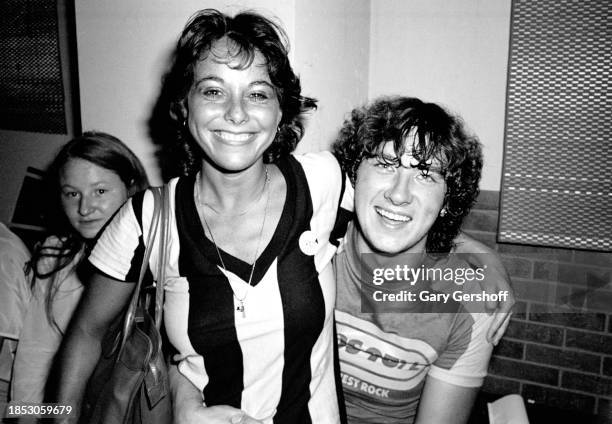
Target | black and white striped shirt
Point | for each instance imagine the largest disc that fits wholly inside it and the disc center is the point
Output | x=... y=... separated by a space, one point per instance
x=275 y=363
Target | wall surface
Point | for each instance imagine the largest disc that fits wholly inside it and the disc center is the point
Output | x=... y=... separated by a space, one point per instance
x=451 y=52
x=125 y=45
x=345 y=52
x=20 y=149
x=557 y=351
x=331 y=55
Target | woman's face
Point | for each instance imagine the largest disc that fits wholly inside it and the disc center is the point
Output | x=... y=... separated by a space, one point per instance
x=233 y=114
x=90 y=195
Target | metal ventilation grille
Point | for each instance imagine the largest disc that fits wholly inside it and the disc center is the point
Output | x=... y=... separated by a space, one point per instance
x=31 y=88
x=557 y=178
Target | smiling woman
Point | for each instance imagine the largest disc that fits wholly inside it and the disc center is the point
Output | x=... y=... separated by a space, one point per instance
x=90 y=178
x=249 y=288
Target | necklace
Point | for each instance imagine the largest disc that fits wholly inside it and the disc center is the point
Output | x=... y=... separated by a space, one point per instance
x=244 y=212
x=239 y=299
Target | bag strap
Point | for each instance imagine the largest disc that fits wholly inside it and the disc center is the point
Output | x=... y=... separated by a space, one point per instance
x=163 y=256
x=130 y=314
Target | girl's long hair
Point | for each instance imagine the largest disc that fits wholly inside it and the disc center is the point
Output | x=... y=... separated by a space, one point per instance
x=100 y=149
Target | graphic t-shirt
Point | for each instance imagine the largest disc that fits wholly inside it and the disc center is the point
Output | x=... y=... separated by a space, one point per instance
x=385 y=357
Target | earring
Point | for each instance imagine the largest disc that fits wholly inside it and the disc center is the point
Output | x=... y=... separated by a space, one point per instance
x=443 y=212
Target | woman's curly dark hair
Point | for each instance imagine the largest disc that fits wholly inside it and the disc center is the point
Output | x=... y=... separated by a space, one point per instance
x=436 y=134
x=249 y=33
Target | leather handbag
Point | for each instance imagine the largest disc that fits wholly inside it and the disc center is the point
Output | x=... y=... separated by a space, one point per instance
x=130 y=381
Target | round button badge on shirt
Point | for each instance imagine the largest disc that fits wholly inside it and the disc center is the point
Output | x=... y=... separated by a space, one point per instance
x=308 y=243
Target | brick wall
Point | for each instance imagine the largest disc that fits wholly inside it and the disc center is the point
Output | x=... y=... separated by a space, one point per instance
x=557 y=350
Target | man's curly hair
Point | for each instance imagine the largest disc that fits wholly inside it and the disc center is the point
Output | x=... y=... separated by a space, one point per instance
x=435 y=134
x=248 y=33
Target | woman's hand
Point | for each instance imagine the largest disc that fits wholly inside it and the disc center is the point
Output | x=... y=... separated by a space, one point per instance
x=222 y=414
x=189 y=408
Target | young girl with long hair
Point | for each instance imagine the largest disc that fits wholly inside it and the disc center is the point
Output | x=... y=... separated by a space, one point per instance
x=89 y=179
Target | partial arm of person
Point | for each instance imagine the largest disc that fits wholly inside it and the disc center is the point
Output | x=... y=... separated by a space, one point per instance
x=497 y=281
x=104 y=298
x=14 y=286
x=455 y=377
x=445 y=403
x=188 y=407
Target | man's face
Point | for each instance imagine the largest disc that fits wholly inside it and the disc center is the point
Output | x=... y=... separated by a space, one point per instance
x=397 y=203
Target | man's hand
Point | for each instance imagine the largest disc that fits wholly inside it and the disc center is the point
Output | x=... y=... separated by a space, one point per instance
x=497 y=281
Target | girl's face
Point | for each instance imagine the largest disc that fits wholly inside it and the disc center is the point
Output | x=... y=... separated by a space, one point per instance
x=232 y=113
x=90 y=195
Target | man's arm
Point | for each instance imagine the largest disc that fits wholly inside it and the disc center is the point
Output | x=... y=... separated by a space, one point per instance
x=455 y=377
x=497 y=280
x=445 y=403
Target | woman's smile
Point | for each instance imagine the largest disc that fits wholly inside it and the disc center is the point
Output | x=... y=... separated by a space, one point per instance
x=234 y=137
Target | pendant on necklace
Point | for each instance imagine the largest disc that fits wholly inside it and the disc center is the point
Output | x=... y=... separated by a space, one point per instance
x=240 y=308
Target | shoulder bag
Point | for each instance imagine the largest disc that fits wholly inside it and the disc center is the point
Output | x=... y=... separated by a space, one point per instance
x=130 y=381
